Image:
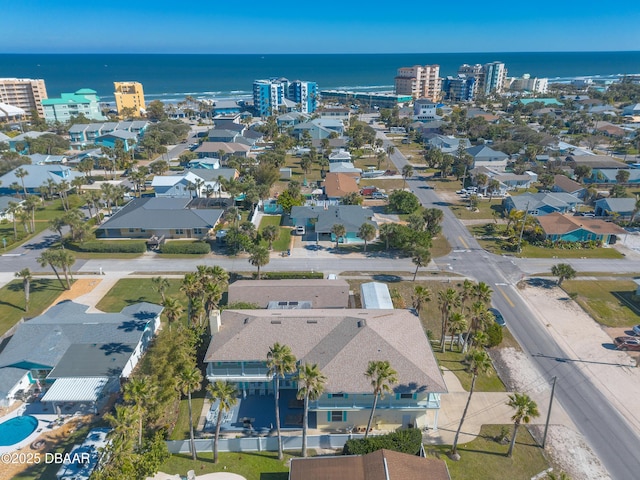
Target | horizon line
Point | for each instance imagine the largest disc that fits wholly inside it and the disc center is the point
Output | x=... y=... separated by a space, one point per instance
x=320 y=53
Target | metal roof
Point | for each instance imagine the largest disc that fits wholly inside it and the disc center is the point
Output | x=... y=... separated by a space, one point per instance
x=75 y=390
x=375 y=295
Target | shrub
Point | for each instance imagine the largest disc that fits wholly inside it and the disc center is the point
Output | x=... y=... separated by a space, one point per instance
x=494 y=334
x=404 y=441
x=189 y=248
x=101 y=246
x=402 y=201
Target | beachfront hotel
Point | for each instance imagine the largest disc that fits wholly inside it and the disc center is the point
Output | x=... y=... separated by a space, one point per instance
x=419 y=82
x=24 y=93
x=129 y=95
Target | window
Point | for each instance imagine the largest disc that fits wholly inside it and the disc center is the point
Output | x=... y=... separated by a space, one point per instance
x=337 y=395
x=197 y=231
x=179 y=231
x=337 y=416
x=406 y=395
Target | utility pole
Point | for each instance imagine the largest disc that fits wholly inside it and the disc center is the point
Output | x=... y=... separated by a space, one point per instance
x=524 y=221
x=546 y=425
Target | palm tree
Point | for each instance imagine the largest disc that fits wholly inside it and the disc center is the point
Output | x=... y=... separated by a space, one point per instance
x=420 y=296
x=468 y=288
x=62 y=259
x=407 y=172
x=310 y=386
x=479 y=364
x=259 y=257
x=563 y=271
x=160 y=285
x=420 y=258
x=387 y=231
x=172 y=309
x=25 y=275
x=447 y=300
x=526 y=410
x=270 y=233
x=13 y=210
x=367 y=232
x=21 y=173
x=280 y=362
x=189 y=381
x=457 y=324
x=382 y=377
x=123 y=431
x=226 y=394
x=339 y=231
x=138 y=391
x=482 y=292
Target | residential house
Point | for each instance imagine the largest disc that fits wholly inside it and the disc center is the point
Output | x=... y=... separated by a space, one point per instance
x=562 y=183
x=507 y=181
x=5 y=207
x=19 y=143
x=610 y=130
x=182 y=185
x=36 y=177
x=339 y=342
x=128 y=139
x=225 y=107
x=80 y=357
x=208 y=163
x=322 y=219
x=83 y=102
x=484 y=156
x=339 y=156
x=345 y=167
x=570 y=228
x=83 y=134
x=291 y=119
x=159 y=217
x=42 y=159
x=335 y=112
x=319 y=293
x=631 y=110
x=215 y=149
x=447 y=143
x=424 y=110
x=319 y=128
x=539 y=204
x=603 y=168
x=620 y=208
x=338 y=185
x=379 y=465
x=224 y=135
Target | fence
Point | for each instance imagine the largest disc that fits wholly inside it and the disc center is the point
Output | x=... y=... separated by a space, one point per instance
x=262 y=444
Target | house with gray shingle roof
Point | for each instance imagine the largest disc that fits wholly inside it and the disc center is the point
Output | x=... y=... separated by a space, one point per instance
x=37 y=176
x=621 y=208
x=322 y=219
x=539 y=204
x=341 y=343
x=171 y=218
x=484 y=156
x=5 y=206
x=66 y=348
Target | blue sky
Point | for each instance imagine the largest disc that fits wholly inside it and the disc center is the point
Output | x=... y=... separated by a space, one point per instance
x=223 y=26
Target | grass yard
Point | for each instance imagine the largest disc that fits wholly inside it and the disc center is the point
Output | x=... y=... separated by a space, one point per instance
x=284 y=240
x=485 y=458
x=454 y=361
x=486 y=209
x=251 y=465
x=388 y=185
x=133 y=290
x=43 y=293
x=181 y=428
x=609 y=302
x=439 y=247
x=494 y=244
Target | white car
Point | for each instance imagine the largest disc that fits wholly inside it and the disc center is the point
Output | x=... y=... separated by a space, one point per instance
x=636 y=329
x=300 y=230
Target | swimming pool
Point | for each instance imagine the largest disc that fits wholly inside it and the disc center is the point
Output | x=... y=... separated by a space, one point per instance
x=17 y=429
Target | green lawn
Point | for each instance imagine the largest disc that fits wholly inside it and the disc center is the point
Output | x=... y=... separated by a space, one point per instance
x=251 y=465
x=181 y=428
x=387 y=185
x=486 y=209
x=494 y=244
x=609 y=302
x=486 y=459
x=454 y=361
x=284 y=240
x=43 y=293
x=133 y=290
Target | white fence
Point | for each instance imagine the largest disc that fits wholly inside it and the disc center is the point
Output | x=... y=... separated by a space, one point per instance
x=262 y=444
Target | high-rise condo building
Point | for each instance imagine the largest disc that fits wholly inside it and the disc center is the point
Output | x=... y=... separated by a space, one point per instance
x=419 y=81
x=84 y=101
x=129 y=95
x=529 y=83
x=495 y=76
x=461 y=88
x=25 y=93
x=270 y=96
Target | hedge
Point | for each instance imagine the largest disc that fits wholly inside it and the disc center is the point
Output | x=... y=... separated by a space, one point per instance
x=287 y=275
x=404 y=441
x=98 y=246
x=191 y=248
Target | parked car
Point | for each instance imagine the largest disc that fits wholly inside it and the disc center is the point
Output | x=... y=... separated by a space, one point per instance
x=627 y=343
x=636 y=329
x=379 y=196
x=300 y=230
x=497 y=316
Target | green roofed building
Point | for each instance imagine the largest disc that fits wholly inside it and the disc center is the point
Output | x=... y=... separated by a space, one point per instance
x=84 y=101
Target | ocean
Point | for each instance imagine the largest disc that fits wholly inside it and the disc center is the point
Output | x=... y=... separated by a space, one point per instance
x=172 y=77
